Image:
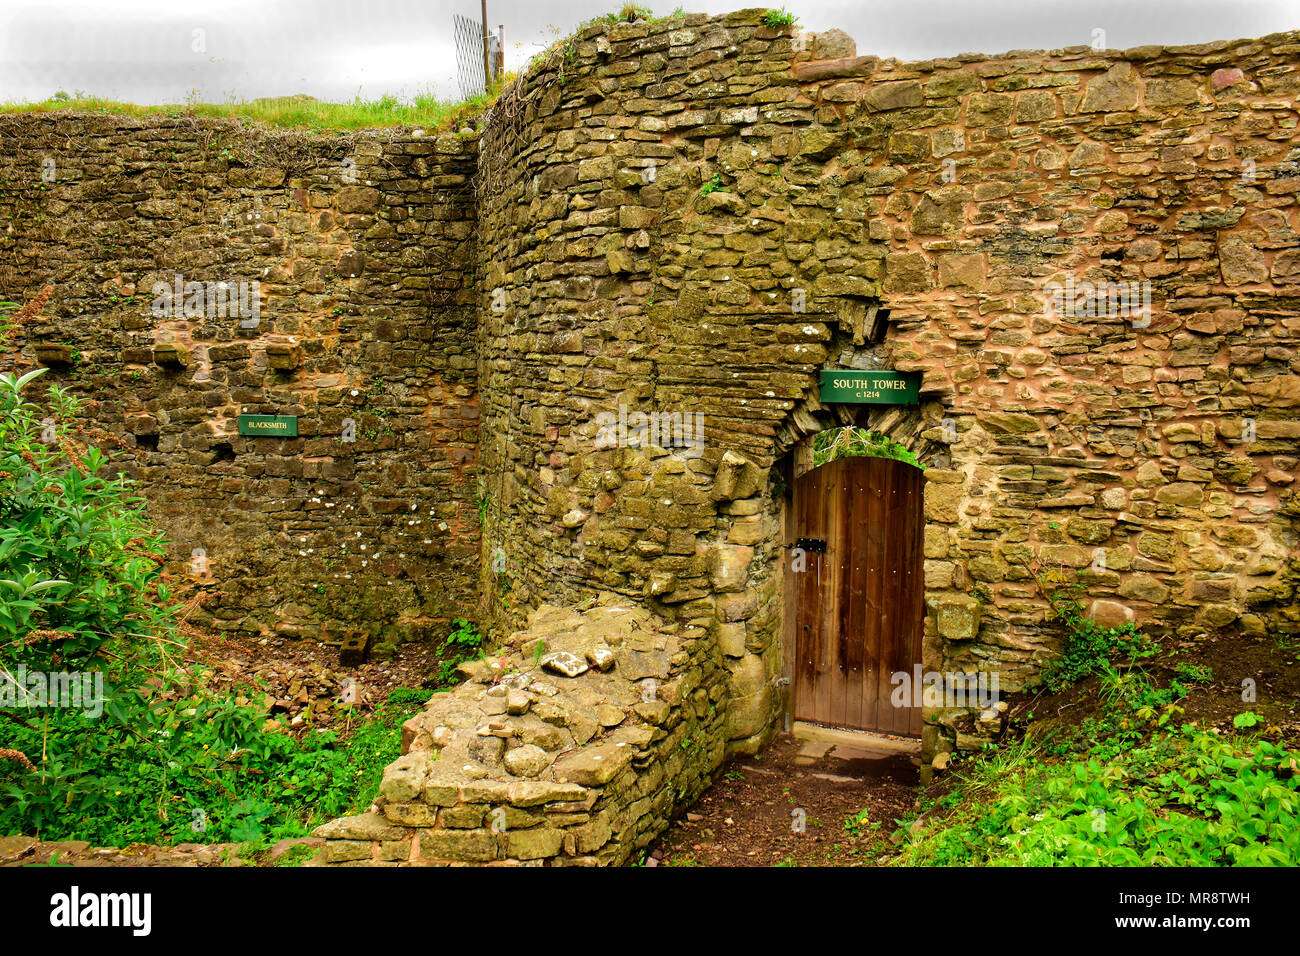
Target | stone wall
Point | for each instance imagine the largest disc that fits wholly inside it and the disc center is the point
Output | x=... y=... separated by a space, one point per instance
x=363 y=248
x=695 y=217
x=612 y=284
x=1155 y=454
x=573 y=747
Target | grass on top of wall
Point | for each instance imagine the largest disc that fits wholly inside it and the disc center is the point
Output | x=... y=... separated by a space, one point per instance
x=291 y=112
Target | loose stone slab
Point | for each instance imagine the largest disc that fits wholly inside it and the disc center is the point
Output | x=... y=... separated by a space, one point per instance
x=601 y=658
x=564 y=663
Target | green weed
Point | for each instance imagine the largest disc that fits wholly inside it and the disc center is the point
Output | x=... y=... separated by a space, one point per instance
x=853 y=442
x=780 y=17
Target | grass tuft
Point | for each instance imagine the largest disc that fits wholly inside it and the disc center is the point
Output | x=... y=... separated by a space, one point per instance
x=291 y=112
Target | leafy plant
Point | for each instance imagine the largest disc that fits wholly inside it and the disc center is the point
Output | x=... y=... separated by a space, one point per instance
x=1089 y=646
x=856 y=823
x=1196 y=673
x=80 y=564
x=205 y=770
x=630 y=13
x=144 y=752
x=851 y=442
x=462 y=644
x=713 y=185
x=1124 y=797
x=780 y=17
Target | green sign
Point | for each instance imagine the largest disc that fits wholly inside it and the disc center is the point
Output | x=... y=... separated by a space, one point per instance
x=269 y=426
x=870 y=388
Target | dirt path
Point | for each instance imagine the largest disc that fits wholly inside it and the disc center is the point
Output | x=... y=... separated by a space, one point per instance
x=752 y=815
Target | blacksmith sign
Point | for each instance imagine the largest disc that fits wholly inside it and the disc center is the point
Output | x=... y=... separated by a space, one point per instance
x=271 y=426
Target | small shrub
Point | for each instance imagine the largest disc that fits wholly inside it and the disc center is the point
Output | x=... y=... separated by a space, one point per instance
x=630 y=13
x=1089 y=647
x=147 y=754
x=780 y=17
x=462 y=644
x=80 y=563
x=1196 y=673
x=856 y=823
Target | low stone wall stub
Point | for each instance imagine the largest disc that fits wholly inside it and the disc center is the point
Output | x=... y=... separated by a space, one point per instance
x=574 y=746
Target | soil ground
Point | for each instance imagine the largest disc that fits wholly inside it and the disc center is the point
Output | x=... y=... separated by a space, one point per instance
x=1225 y=674
x=305 y=680
x=850 y=797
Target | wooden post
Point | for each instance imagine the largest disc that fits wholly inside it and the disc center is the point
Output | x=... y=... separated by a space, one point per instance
x=501 y=50
x=487 y=70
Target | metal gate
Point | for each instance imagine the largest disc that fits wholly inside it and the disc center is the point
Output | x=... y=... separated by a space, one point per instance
x=469 y=56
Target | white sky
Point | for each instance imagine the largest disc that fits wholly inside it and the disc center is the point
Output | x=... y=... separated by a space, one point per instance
x=143 y=50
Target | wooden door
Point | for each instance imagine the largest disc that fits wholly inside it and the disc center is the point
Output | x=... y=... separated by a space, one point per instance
x=859 y=596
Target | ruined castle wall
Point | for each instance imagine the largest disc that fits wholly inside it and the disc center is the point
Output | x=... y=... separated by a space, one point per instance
x=523 y=763
x=689 y=220
x=363 y=247
x=1148 y=444
x=694 y=217
x=616 y=296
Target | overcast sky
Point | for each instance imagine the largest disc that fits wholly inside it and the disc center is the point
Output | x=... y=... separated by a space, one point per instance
x=156 y=51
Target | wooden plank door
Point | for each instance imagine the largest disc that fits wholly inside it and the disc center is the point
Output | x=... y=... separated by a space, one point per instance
x=859 y=592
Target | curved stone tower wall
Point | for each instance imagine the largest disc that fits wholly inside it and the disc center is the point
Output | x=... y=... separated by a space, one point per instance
x=693 y=218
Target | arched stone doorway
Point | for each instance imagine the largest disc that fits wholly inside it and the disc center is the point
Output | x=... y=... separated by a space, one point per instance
x=915 y=434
